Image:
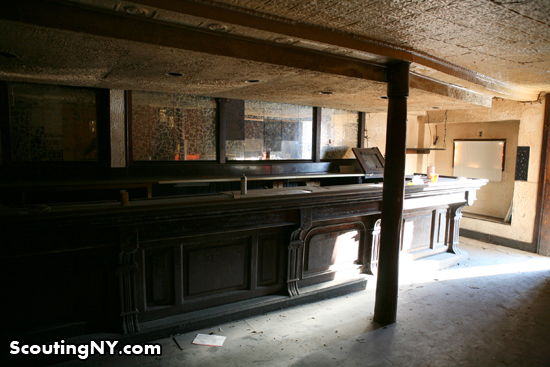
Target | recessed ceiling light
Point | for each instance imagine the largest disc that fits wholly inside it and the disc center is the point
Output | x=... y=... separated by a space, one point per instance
x=174 y=74
x=284 y=40
x=326 y=92
x=217 y=27
x=7 y=55
x=252 y=81
x=384 y=97
x=135 y=10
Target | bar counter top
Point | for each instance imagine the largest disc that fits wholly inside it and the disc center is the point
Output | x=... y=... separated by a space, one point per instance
x=235 y=199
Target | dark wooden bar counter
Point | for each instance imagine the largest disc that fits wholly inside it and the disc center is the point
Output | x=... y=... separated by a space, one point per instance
x=166 y=265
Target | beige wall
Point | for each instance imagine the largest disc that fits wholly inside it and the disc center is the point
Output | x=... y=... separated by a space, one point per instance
x=530 y=117
x=376 y=131
x=495 y=198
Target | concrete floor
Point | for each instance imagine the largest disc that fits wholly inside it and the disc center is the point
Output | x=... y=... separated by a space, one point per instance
x=492 y=310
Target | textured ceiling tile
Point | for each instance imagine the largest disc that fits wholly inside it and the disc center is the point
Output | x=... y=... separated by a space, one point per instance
x=504 y=39
x=452 y=13
x=280 y=7
x=438 y=48
x=44 y=54
x=325 y=18
x=246 y=3
x=360 y=27
x=498 y=68
x=536 y=9
x=387 y=34
x=419 y=21
x=384 y=17
x=362 y=15
x=412 y=40
x=341 y=8
x=469 y=38
x=496 y=13
x=524 y=59
x=420 y=6
x=536 y=30
x=301 y=10
x=434 y=28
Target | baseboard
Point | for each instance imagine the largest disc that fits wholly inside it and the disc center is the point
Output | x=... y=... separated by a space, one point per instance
x=497 y=240
x=227 y=313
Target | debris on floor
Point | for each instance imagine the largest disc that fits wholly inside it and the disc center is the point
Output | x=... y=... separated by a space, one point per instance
x=178 y=344
x=209 y=340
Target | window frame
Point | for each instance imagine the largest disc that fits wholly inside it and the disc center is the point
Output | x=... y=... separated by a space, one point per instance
x=221 y=142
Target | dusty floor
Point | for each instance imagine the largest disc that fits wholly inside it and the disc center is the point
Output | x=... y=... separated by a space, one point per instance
x=493 y=310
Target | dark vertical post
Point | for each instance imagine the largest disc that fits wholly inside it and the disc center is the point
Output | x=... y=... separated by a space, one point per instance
x=5 y=123
x=362 y=129
x=129 y=135
x=385 y=308
x=103 y=100
x=222 y=125
x=316 y=148
x=541 y=235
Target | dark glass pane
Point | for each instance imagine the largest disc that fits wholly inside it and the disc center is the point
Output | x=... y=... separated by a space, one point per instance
x=173 y=127
x=339 y=133
x=52 y=123
x=273 y=131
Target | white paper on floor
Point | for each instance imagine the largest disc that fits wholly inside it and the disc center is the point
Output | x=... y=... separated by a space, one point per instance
x=211 y=340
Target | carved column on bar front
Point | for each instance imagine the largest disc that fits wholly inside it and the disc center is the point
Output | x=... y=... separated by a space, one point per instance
x=296 y=252
x=370 y=264
x=455 y=214
x=127 y=268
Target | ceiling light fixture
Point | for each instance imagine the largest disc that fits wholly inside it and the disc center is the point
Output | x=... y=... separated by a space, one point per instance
x=135 y=10
x=217 y=27
x=283 y=40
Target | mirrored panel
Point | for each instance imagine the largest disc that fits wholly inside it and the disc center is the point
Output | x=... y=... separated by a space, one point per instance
x=173 y=127
x=339 y=133
x=271 y=131
x=52 y=123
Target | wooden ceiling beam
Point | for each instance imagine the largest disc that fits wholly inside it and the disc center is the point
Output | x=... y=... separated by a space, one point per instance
x=448 y=90
x=253 y=19
x=118 y=25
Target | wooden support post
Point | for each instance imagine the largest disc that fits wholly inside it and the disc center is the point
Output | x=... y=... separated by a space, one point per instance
x=541 y=236
x=385 y=309
x=317 y=134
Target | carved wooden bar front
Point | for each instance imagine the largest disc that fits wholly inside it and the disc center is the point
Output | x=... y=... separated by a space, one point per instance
x=167 y=265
